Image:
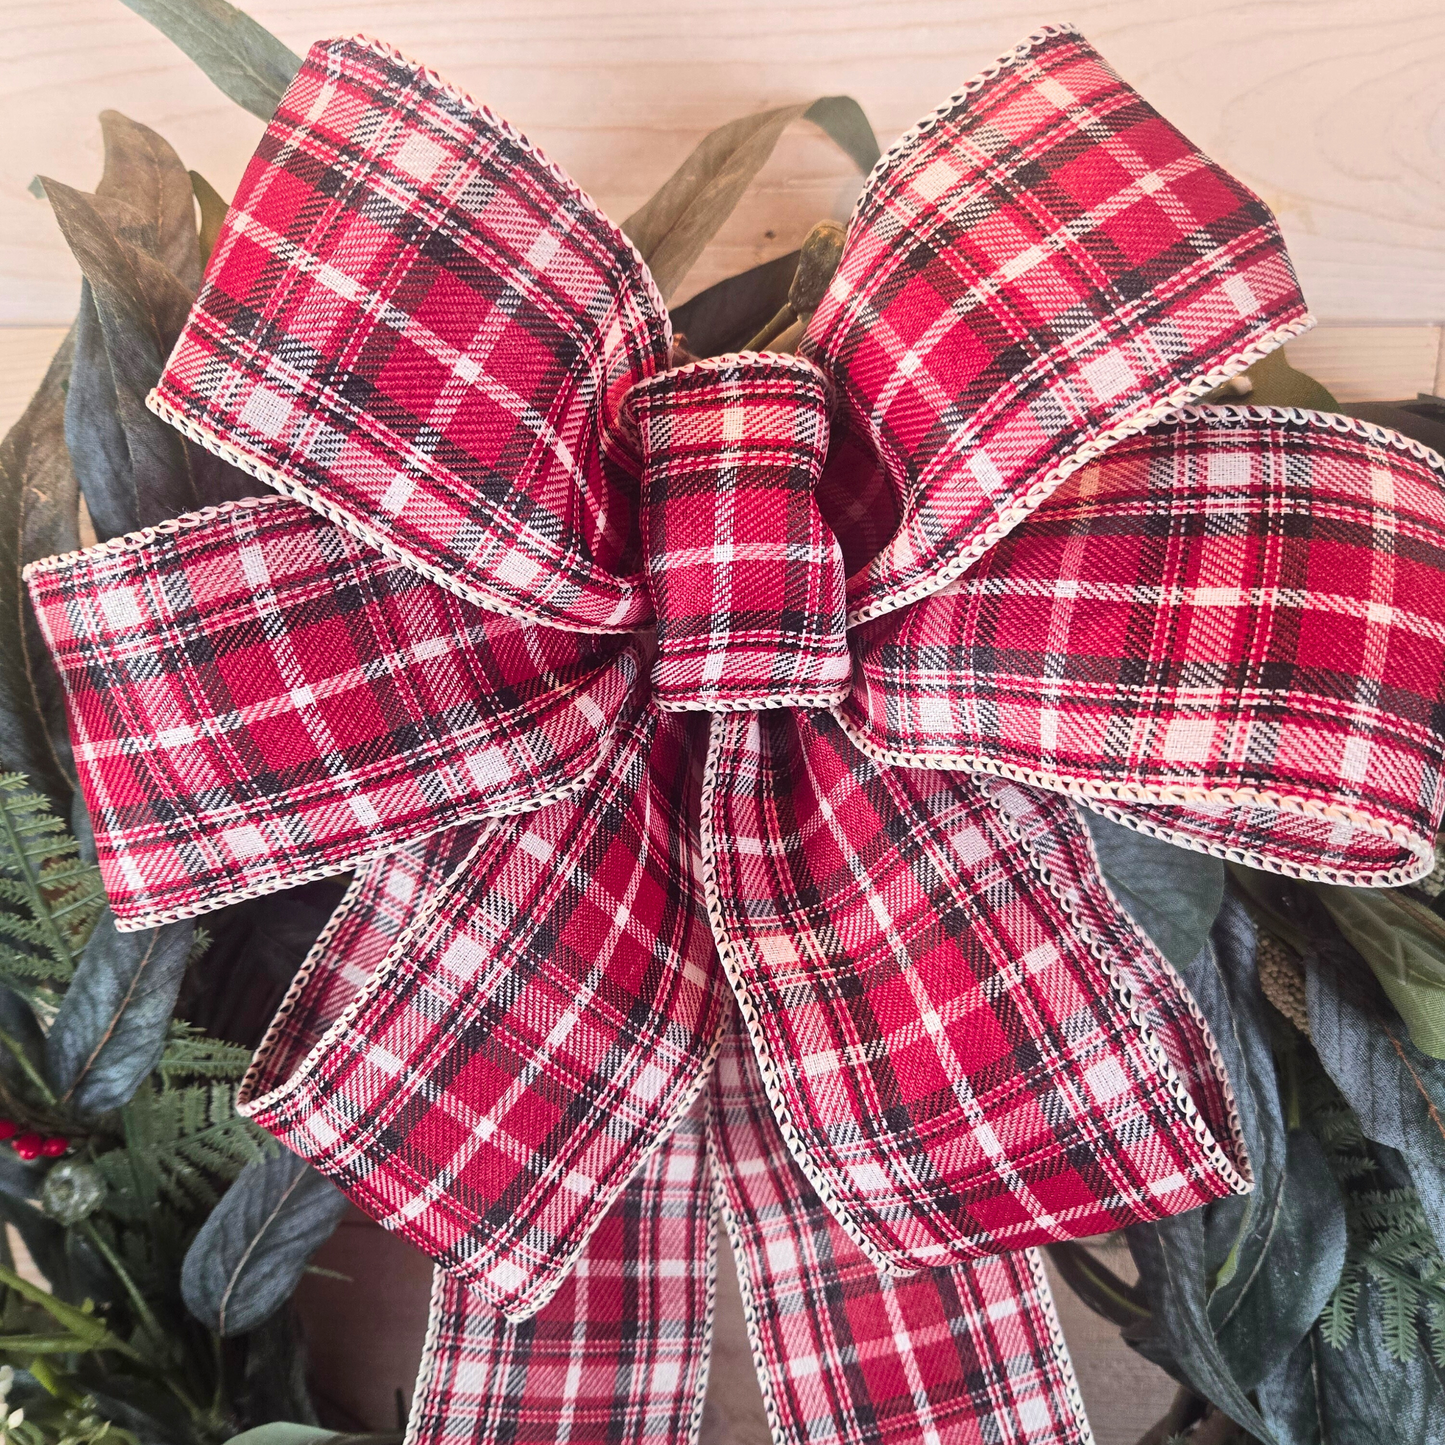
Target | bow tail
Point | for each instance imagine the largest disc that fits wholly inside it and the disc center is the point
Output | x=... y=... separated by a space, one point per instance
x=851 y=1356
x=617 y=1356
x=969 y=1047
x=1229 y=631
x=547 y=1015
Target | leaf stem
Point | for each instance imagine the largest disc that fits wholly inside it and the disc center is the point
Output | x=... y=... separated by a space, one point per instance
x=27 y=1067
x=783 y=319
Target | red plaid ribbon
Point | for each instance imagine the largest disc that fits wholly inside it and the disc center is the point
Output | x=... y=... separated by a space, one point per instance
x=473 y=656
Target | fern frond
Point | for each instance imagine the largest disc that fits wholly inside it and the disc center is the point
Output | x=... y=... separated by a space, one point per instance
x=191 y=1054
x=1337 y=1323
x=49 y=899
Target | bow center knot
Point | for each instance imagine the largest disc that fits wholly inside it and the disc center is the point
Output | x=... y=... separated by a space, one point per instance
x=747 y=580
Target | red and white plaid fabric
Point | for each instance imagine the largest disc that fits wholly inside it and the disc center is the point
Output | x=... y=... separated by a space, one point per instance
x=950 y=1043
x=1229 y=631
x=747 y=580
x=968 y=1355
x=545 y=1018
x=416 y=324
x=1034 y=270
x=618 y=1356
x=1225 y=627
x=257 y=698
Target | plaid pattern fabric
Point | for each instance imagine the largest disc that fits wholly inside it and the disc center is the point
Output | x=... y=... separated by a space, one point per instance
x=747 y=581
x=617 y=1357
x=971 y=1355
x=530 y=1037
x=1229 y=630
x=384 y=897
x=940 y=1022
x=416 y=324
x=255 y=698
x=1030 y=271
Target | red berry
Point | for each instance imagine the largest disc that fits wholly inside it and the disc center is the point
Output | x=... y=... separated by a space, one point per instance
x=54 y=1146
x=27 y=1146
x=8 y=1128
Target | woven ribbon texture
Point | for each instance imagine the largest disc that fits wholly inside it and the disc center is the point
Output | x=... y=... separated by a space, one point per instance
x=707 y=744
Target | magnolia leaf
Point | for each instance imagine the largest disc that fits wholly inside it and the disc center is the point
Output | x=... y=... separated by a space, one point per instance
x=1287 y=1269
x=1274 y=382
x=1271 y=1258
x=1404 y=944
x=1097 y=1286
x=132 y=467
x=283 y=1432
x=213 y=213
x=111 y=1028
x=240 y=57
x=1172 y=1272
x=38 y=516
x=673 y=227
x=252 y=1249
x=1397 y=1092
x=1225 y=984
x=1367 y=1395
x=1287 y=1398
x=730 y=313
x=144 y=172
x=1172 y=893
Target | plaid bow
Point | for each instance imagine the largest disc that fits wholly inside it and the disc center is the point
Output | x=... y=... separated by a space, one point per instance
x=706 y=742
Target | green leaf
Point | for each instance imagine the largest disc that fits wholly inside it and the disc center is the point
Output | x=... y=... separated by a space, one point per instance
x=1404 y=944
x=283 y=1432
x=1288 y=1269
x=143 y=171
x=1172 y=893
x=1368 y=1395
x=111 y=1028
x=1286 y=1239
x=1397 y=1092
x=251 y=1251
x=1277 y=383
x=1173 y=1271
x=1261 y=1266
x=132 y=467
x=673 y=227
x=1097 y=1285
x=725 y=316
x=39 y=510
x=1287 y=1395
x=242 y=58
x=213 y=212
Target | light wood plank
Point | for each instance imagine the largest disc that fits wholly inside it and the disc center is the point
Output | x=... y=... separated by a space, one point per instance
x=1329 y=109
x=1370 y=363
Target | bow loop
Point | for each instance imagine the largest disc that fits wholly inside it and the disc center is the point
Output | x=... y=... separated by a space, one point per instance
x=1034 y=271
x=414 y=323
x=746 y=579
x=1229 y=631
x=257 y=699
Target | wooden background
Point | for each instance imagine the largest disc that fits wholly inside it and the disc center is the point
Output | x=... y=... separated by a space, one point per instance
x=1333 y=110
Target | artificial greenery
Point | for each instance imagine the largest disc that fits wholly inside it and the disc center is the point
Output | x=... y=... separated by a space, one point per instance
x=1311 y=1312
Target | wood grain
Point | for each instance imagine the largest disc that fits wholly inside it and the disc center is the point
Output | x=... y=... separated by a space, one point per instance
x=1333 y=109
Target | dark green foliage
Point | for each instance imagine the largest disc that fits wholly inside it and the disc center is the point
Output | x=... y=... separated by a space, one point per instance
x=49 y=899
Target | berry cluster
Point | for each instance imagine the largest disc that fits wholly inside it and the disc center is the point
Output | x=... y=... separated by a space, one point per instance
x=32 y=1146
